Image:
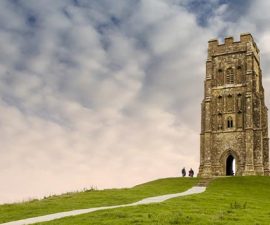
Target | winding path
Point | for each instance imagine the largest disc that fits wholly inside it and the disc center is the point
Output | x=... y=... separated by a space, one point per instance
x=193 y=190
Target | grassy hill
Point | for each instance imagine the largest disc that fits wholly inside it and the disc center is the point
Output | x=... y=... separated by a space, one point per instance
x=93 y=198
x=227 y=200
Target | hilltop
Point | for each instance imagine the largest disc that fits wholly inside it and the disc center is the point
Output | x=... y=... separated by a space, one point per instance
x=93 y=198
x=227 y=200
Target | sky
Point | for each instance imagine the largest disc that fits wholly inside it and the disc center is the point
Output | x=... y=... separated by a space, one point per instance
x=104 y=94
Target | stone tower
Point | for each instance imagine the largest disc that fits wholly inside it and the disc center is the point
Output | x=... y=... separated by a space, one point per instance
x=234 y=126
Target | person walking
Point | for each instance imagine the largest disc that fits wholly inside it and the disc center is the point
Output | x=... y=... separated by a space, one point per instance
x=191 y=172
x=183 y=172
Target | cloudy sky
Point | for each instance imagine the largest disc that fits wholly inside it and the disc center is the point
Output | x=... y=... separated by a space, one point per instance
x=107 y=93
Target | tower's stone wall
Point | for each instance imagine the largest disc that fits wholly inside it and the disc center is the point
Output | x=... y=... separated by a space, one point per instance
x=234 y=115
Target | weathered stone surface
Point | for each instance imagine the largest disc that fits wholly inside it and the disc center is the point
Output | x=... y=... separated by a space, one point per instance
x=234 y=115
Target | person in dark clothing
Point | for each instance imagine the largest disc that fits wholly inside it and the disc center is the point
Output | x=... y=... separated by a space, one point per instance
x=183 y=172
x=191 y=172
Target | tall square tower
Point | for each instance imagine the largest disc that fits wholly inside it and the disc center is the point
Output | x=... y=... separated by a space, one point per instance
x=234 y=123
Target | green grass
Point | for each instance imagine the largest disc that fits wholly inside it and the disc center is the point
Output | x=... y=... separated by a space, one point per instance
x=229 y=200
x=89 y=199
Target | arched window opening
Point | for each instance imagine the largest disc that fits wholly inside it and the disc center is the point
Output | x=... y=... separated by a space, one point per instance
x=220 y=77
x=229 y=76
x=229 y=122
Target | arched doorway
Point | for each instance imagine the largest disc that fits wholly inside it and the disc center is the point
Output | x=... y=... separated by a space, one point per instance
x=230 y=166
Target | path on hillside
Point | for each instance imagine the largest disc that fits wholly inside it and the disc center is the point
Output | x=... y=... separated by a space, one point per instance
x=193 y=190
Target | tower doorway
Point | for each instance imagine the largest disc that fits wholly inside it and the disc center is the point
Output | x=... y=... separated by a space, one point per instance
x=230 y=166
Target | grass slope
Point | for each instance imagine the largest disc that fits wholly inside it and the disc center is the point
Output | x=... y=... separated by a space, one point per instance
x=228 y=200
x=89 y=199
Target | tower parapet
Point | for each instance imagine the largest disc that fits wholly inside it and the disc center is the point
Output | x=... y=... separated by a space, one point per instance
x=246 y=44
